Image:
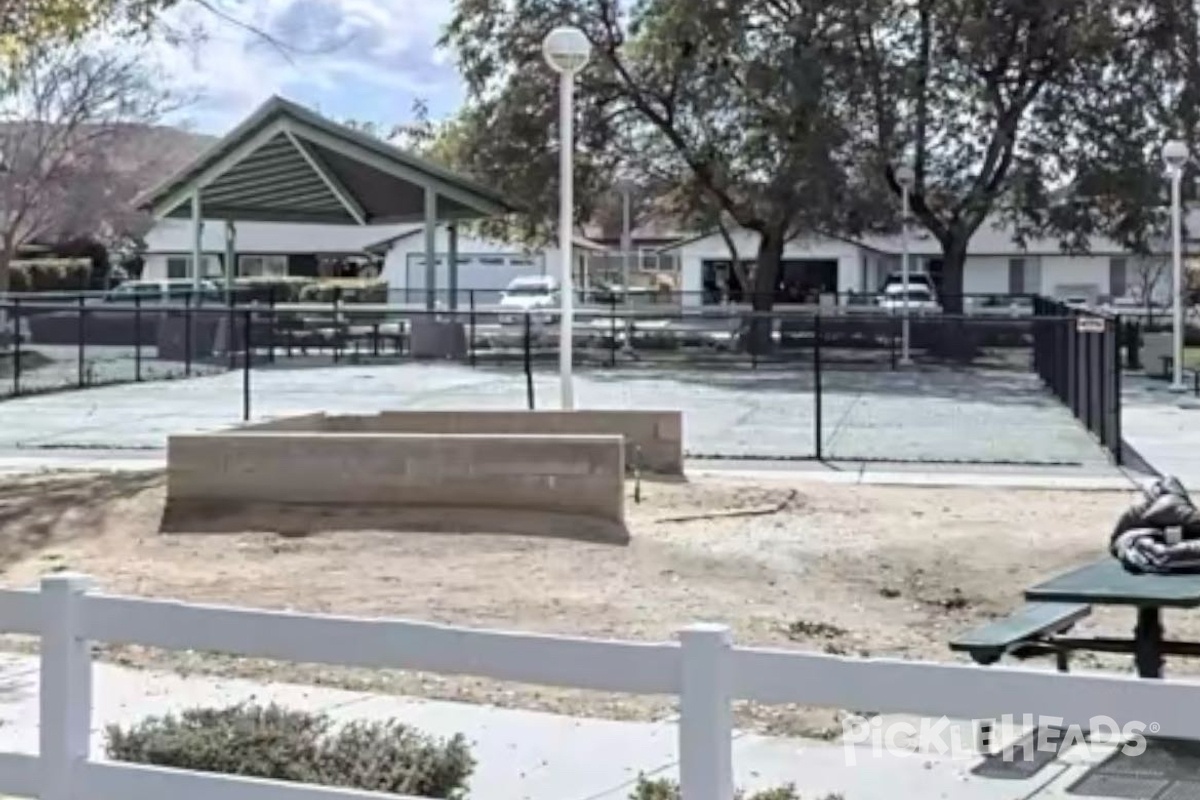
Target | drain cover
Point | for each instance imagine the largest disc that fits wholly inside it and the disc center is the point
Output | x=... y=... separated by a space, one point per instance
x=1166 y=770
x=1022 y=759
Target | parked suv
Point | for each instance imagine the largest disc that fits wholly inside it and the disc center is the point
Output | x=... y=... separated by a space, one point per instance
x=536 y=295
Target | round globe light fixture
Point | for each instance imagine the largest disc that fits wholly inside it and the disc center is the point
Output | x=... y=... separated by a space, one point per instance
x=566 y=50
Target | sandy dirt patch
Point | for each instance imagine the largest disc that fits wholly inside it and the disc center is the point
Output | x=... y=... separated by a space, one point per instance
x=841 y=569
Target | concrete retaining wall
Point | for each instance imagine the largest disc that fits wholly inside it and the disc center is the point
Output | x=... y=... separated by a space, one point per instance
x=293 y=482
x=312 y=423
x=653 y=439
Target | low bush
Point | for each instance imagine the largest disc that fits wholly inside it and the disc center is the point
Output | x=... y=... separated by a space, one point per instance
x=274 y=743
x=279 y=289
x=49 y=275
x=346 y=290
x=664 y=789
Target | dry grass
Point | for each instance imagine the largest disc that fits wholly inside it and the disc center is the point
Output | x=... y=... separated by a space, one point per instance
x=842 y=569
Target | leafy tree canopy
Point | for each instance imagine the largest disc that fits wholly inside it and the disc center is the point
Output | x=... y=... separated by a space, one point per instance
x=787 y=116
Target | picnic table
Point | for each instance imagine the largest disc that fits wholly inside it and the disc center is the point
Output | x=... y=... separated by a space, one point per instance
x=1055 y=605
x=1108 y=583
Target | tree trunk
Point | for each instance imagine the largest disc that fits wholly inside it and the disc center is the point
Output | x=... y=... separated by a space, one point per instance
x=6 y=257
x=766 y=269
x=766 y=278
x=954 y=258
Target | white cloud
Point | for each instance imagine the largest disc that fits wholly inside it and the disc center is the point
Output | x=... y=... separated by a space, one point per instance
x=346 y=52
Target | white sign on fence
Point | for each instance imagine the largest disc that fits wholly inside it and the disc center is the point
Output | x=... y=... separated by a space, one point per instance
x=1090 y=325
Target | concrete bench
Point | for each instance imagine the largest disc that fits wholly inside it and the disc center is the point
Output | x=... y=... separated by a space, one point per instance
x=293 y=479
x=1018 y=634
x=653 y=438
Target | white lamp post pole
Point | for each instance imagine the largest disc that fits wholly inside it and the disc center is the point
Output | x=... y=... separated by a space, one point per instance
x=566 y=51
x=906 y=178
x=1175 y=155
x=626 y=187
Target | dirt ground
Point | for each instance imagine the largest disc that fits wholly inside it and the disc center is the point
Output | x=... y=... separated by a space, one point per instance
x=842 y=569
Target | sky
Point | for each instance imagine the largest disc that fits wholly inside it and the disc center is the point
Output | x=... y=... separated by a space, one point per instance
x=366 y=60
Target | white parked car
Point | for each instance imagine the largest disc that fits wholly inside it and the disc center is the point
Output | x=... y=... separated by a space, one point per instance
x=538 y=296
x=915 y=280
x=921 y=299
x=165 y=292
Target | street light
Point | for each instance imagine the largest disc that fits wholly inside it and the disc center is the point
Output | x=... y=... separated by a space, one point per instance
x=1175 y=155
x=626 y=187
x=566 y=51
x=906 y=178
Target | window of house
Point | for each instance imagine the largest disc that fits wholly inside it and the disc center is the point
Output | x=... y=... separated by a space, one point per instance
x=262 y=266
x=177 y=266
x=1118 y=277
x=1016 y=276
x=1024 y=276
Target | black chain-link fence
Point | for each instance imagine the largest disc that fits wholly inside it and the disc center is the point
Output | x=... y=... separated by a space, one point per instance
x=1077 y=354
x=837 y=378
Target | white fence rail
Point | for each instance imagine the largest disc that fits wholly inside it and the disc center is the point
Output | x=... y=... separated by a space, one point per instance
x=703 y=668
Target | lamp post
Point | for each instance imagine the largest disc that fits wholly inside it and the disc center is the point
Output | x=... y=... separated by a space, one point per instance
x=626 y=187
x=566 y=50
x=906 y=178
x=1175 y=156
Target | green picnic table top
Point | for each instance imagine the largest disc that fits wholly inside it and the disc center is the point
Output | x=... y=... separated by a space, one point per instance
x=1106 y=582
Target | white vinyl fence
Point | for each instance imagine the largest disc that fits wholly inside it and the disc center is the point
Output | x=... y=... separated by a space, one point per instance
x=703 y=668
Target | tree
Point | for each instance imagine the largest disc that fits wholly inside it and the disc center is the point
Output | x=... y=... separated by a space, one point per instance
x=62 y=128
x=29 y=26
x=1149 y=272
x=791 y=115
x=995 y=103
x=738 y=100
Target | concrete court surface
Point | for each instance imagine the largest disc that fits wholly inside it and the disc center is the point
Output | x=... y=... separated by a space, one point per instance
x=1162 y=428
x=524 y=755
x=916 y=416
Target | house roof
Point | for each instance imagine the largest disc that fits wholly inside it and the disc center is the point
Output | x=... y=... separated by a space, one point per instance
x=286 y=163
x=383 y=245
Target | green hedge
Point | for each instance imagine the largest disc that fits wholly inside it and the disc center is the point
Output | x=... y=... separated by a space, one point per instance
x=277 y=744
x=49 y=275
x=346 y=290
x=265 y=289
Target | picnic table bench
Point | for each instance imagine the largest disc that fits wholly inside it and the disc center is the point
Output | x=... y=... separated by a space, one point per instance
x=1054 y=606
x=1020 y=635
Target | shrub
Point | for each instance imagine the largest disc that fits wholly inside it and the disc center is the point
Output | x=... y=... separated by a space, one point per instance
x=664 y=789
x=274 y=743
x=281 y=289
x=346 y=290
x=49 y=275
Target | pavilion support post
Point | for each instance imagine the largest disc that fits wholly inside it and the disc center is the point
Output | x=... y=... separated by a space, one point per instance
x=197 y=245
x=231 y=272
x=452 y=258
x=430 y=249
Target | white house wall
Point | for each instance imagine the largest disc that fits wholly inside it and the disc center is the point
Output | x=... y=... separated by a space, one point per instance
x=155 y=266
x=269 y=238
x=987 y=275
x=692 y=256
x=863 y=265
x=404 y=265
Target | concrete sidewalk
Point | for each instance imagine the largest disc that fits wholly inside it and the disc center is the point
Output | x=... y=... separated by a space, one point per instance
x=1162 y=429
x=525 y=755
